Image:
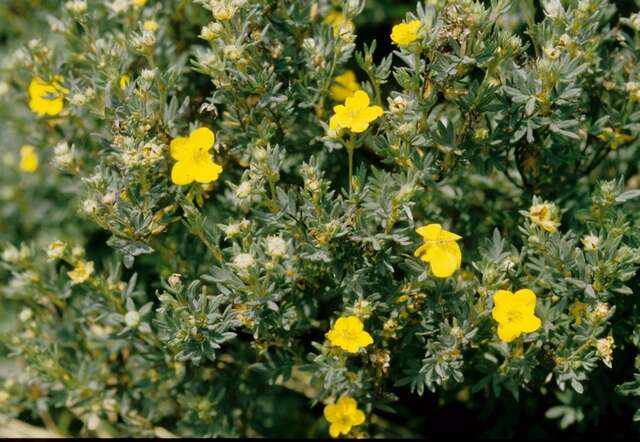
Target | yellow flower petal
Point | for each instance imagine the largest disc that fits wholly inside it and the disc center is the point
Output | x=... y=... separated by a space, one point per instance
x=331 y=413
x=347 y=402
x=28 y=159
x=344 y=86
x=336 y=429
x=181 y=173
x=352 y=323
x=202 y=138
x=179 y=148
x=364 y=339
x=358 y=101
x=208 y=172
x=508 y=332
x=334 y=123
x=445 y=260
x=371 y=113
x=341 y=323
x=525 y=298
x=449 y=236
x=531 y=324
x=359 y=126
x=423 y=252
x=502 y=303
x=358 y=418
x=430 y=232
x=501 y=297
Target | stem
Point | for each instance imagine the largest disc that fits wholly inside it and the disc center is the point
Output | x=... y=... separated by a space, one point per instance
x=350 y=148
x=416 y=67
x=376 y=87
x=274 y=198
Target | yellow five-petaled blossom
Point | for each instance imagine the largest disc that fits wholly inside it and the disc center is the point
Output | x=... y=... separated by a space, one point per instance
x=344 y=86
x=343 y=415
x=194 y=161
x=28 y=159
x=348 y=334
x=151 y=25
x=440 y=250
x=355 y=115
x=404 y=34
x=545 y=215
x=515 y=313
x=81 y=272
x=47 y=98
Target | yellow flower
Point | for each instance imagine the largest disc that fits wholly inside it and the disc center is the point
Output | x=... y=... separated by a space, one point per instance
x=348 y=334
x=440 y=250
x=194 y=162
x=604 y=347
x=334 y=17
x=515 y=313
x=28 y=159
x=343 y=415
x=124 y=81
x=355 y=114
x=614 y=137
x=151 y=26
x=344 y=86
x=81 y=272
x=139 y=3
x=578 y=310
x=545 y=215
x=55 y=250
x=223 y=12
x=337 y=21
x=47 y=98
x=404 y=34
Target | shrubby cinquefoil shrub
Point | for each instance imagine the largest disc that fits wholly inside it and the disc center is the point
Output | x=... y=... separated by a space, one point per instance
x=238 y=218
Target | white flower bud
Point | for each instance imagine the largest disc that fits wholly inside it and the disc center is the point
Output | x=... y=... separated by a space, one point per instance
x=78 y=99
x=175 y=280
x=244 y=190
x=148 y=74
x=76 y=6
x=398 y=104
x=309 y=44
x=132 y=319
x=211 y=31
x=55 y=250
x=25 y=314
x=93 y=421
x=590 y=242
x=89 y=206
x=276 y=246
x=243 y=261
x=11 y=254
x=108 y=198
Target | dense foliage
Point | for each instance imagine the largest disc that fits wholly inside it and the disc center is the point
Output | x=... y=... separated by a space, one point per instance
x=312 y=217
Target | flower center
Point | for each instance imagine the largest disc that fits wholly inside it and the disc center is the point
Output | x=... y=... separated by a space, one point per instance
x=200 y=156
x=353 y=113
x=514 y=316
x=348 y=335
